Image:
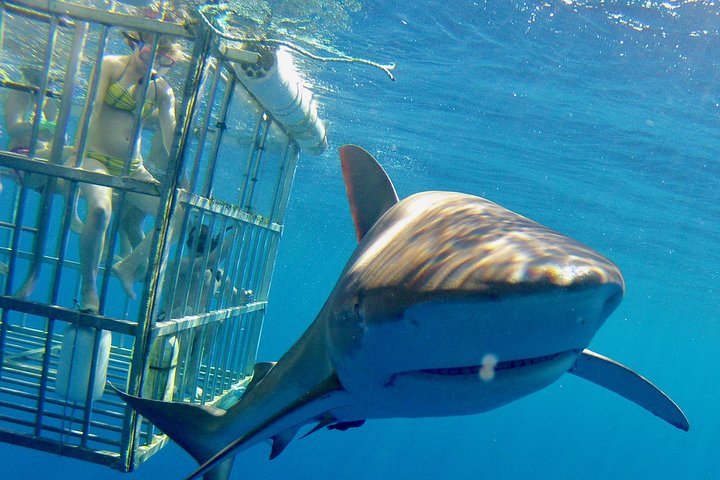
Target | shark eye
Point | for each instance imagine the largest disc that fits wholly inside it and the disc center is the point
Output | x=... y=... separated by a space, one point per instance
x=359 y=316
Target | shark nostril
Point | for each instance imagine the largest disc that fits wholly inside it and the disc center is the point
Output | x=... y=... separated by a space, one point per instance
x=611 y=303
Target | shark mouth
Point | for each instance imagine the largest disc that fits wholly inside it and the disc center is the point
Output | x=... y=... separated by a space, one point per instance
x=499 y=366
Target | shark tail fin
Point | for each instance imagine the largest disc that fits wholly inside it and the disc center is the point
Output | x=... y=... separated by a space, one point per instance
x=629 y=384
x=187 y=424
x=369 y=189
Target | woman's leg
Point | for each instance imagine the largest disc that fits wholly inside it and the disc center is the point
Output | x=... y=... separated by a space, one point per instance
x=131 y=228
x=134 y=266
x=92 y=238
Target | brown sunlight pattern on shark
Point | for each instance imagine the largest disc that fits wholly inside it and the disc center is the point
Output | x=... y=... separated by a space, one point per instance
x=467 y=243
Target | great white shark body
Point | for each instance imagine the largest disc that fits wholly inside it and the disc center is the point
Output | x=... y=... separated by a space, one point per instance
x=450 y=305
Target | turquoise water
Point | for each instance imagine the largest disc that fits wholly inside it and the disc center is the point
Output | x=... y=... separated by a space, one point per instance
x=598 y=119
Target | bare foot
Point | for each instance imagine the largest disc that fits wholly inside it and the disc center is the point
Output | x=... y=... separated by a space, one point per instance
x=126 y=278
x=90 y=302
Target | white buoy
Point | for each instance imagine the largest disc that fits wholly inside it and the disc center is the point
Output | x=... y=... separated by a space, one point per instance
x=162 y=365
x=76 y=361
x=275 y=82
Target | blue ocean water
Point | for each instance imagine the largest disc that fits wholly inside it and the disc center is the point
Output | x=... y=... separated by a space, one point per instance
x=596 y=118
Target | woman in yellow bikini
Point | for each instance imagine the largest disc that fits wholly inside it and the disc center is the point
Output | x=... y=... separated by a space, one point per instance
x=108 y=147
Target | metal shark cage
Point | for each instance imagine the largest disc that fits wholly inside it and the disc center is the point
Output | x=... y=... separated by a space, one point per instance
x=192 y=334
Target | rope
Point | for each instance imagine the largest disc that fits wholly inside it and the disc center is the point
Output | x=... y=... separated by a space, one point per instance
x=341 y=58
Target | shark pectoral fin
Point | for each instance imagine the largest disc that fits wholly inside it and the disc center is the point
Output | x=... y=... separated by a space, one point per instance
x=282 y=440
x=186 y=423
x=331 y=423
x=326 y=420
x=369 y=189
x=344 y=426
x=261 y=369
x=629 y=384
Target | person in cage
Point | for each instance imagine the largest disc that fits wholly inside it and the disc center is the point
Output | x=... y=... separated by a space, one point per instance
x=19 y=119
x=192 y=284
x=108 y=149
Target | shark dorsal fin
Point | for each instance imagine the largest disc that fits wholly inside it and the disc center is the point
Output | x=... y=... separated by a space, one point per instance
x=625 y=382
x=260 y=370
x=369 y=189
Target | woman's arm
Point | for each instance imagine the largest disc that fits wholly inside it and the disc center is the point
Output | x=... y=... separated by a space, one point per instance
x=16 y=107
x=166 y=113
x=108 y=68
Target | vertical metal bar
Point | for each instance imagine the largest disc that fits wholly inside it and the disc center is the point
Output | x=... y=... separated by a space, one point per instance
x=259 y=259
x=14 y=248
x=192 y=257
x=242 y=363
x=262 y=120
x=40 y=405
x=139 y=106
x=280 y=184
x=253 y=258
x=260 y=148
x=203 y=127
x=232 y=265
x=168 y=294
x=186 y=382
x=220 y=264
x=92 y=89
x=221 y=128
x=203 y=268
x=2 y=25
x=243 y=260
x=278 y=216
x=230 y=328
x=42 y=88
x=239 y=323
x=210 y=371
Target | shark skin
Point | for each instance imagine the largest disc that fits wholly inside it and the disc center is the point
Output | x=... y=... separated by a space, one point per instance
x=450 y=305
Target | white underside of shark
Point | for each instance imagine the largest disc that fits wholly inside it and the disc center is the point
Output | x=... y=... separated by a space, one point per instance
x=450 y=305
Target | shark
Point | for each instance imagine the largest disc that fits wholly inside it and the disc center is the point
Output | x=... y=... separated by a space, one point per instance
x=450 y=305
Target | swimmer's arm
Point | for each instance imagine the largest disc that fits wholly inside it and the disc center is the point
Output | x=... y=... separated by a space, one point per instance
x=166 y=115
x=107 y=68
x=16 y=106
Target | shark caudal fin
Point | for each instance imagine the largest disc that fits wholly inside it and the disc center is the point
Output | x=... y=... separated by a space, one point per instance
x=629 y=384
x=194 y=427
x=187 y=424
x=369 y=189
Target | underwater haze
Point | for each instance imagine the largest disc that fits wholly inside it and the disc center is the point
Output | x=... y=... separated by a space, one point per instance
x=599 y=119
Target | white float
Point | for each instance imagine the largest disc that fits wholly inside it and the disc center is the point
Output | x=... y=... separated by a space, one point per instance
x=276 y=84
x=77 y=360
x=162 y=365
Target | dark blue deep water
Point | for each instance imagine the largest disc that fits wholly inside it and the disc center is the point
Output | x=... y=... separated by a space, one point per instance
x=599 y=119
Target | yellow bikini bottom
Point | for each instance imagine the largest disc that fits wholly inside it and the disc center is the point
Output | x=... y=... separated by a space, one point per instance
x=115 y=165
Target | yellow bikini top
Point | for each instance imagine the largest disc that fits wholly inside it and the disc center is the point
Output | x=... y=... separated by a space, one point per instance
x=121 y=97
